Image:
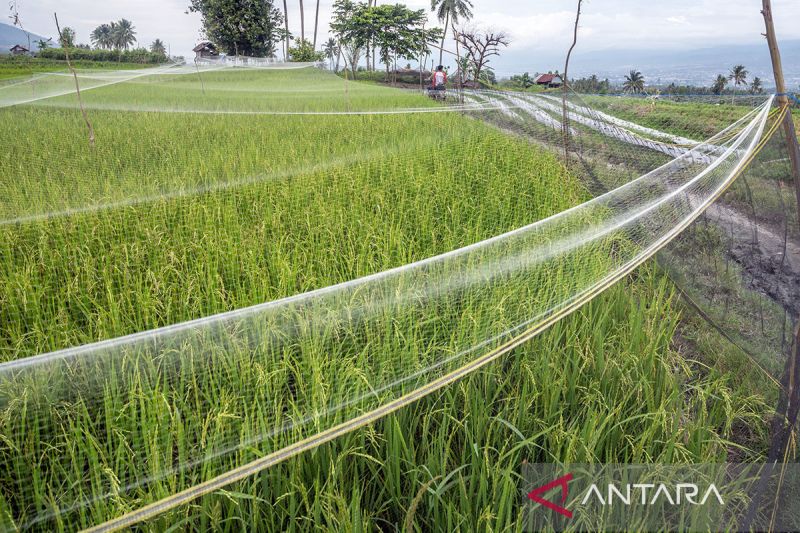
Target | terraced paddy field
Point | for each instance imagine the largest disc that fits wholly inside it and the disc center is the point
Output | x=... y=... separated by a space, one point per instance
x=205 y=194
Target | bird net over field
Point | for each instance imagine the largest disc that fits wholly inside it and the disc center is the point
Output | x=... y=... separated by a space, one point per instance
x=253 y=261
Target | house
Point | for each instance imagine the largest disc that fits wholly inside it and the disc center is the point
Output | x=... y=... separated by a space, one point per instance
x=550 y=80
x=18 y=50
x=205 y=50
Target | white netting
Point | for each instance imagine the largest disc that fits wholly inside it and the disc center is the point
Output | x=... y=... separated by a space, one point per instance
x=131 y=236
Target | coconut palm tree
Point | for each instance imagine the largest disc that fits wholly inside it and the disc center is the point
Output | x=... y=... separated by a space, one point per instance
x=634 y=82
x=157 y=47
x=449 y=12
x=316 y=25
x=286 y=28
x=123 y=34
x=719 y=84
x=755 y=86
x=101 y=36
x=738 y=76
x=302 y=23
x=331 y=49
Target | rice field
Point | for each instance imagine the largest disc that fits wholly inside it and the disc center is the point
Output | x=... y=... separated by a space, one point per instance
x=198 y=199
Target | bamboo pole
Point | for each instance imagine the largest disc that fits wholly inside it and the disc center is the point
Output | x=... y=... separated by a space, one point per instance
x=786 y=411
x=794 y=157
x=565 y=88
x=77 y=85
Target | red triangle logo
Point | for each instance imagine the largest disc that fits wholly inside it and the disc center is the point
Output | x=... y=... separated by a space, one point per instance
x=562 y=482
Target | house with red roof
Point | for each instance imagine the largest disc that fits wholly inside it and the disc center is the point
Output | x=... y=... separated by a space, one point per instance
x=550 y=80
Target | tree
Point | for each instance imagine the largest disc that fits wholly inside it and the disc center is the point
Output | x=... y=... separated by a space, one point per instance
x=738 y=76
x=123 y=34
x=101 y=37
x=396 y=31
x=719 y=84
x=480 y=47
x=448 y=12
x=524 y=81
x=43 y=44
x=341 y=25
x=286 y=35
x=331 y=50
x=157 y=47
x=755 y=86
x=246 y=27
x=634 y=82
x=302 y=22
x=316 y=25
x=68 y=37
x=304 y=52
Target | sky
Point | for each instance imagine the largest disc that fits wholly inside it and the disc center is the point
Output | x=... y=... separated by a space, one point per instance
x=540 y=30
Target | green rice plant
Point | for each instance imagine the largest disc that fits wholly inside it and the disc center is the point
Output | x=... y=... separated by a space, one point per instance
x=208 y=212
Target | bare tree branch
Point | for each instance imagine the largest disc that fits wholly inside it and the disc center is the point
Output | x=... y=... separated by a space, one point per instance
x=480 y=45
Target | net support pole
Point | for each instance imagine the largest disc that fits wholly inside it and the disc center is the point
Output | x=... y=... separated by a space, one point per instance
x=794 y=157
x=787 y=409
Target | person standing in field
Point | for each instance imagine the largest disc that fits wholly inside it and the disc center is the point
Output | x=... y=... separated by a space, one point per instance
x=439 y=79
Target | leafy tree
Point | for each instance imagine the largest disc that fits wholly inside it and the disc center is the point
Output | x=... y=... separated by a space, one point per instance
x=157 y=47
x=123 y=34
x=101 y=37
x=738 y=76
x=68 y=37
x=350 y=43
x=634 y=82
x=449 y=12
x=396 y=31
x=246 y=27
x=719 y=84
x=524 y=81
x=304 y=52
x=756 y=86
x=43 y=44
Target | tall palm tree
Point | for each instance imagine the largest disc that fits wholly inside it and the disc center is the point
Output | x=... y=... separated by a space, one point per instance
x=738 y=76
x=448 y=12
x=101 y=36
x=634 y=82
x=331 y=49
x=755 y=86
x=316 y=25
x=302 y=23
x=286 y=28
x=157 y=47
x=123 y=33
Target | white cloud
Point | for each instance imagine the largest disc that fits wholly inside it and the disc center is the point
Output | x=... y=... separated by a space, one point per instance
x=677 y=20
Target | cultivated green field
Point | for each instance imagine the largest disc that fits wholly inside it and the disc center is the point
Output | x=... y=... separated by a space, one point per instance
x=17 y=67
x=197 y=199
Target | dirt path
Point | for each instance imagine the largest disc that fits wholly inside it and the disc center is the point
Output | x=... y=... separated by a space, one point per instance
x=771 y=259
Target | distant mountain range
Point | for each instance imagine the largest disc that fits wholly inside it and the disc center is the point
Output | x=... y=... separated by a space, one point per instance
x=693 y=67
x=11 y=35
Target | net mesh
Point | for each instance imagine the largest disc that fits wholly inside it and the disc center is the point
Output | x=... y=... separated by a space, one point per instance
x=211 y=385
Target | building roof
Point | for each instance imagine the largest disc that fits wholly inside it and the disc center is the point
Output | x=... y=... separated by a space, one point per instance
x=547 y=78
x=205 y=45
x=19 y=47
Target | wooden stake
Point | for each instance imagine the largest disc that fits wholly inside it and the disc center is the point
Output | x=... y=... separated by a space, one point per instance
x=565 y=88
x=794 y=157
x=789 y=402
x=77 y=85
x=783 y=100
